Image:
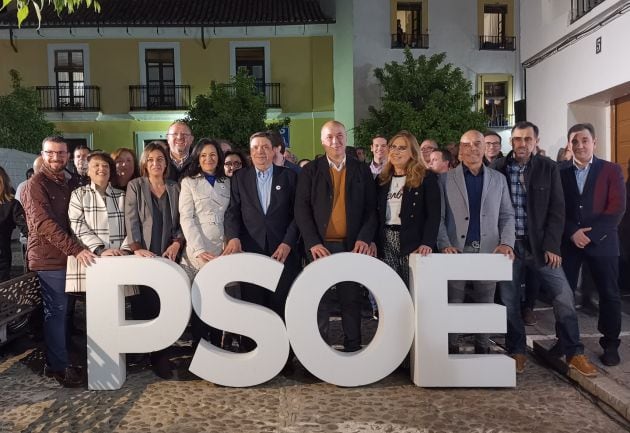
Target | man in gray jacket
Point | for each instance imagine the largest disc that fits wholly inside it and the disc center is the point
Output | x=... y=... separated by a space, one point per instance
x=478 y=218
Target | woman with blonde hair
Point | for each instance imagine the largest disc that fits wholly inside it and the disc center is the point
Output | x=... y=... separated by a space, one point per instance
x=408 y=205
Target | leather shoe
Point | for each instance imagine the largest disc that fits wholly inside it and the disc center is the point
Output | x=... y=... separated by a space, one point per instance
x=529 y=317
x=610 y=357
x=162 y=367
x=582 y=365
x=521 y=360
x=69 y=377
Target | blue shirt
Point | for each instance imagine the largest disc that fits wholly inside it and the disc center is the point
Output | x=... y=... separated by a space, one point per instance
x=581 y=174
x=263 y=185
x=210 y=178
x=474 y=188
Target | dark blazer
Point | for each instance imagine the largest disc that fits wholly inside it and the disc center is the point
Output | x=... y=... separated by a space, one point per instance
x=545 y=204
x=600 y=206
x=244 y=219
x=314 y=200
x=419 y=214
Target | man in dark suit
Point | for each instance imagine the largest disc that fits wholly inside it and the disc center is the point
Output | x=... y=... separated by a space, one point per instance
x=595 y=201
x=260 y=220
x=335 y=210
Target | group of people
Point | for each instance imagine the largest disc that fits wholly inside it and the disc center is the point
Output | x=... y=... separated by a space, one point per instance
x=191 y=204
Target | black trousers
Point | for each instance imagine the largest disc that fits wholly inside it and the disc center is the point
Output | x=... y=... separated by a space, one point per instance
x=605 y=273
x=349 y=295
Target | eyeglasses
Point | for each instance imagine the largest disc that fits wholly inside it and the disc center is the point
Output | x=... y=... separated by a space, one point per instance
x=493 y=143
x=50 y=153
x=397 y=148
x=179 y=134
x=234 y=164
x=427 y=149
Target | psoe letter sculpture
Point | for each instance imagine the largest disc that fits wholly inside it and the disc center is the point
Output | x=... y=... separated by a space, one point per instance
x=424 y=328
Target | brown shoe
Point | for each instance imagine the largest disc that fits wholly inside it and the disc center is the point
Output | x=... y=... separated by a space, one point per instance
x=582 y=365
x=520 y=359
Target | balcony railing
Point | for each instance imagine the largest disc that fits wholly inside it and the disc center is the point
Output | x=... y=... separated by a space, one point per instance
x=501 y=43
x=411 y=40
x=501 y=121
x=579 y=8
x=66 y=98
x=159 y=97
x=271 y=92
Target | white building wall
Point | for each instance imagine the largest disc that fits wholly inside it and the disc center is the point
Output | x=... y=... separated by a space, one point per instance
x=575 y=84
x=452 y=29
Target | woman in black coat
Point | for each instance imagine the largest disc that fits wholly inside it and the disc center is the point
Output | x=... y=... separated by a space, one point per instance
x=408 y=204
x=11 y=215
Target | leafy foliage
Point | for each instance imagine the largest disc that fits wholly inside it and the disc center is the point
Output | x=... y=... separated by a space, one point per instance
x=424 y=96
x=69 y=6
x=22 y=125
x=232 y=111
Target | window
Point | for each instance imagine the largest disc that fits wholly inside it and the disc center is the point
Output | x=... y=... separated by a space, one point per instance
x=495 y=103
x=160 y=77
x=252 y=60
x=409 y=26
x=580 y=7
x=494 y=34
x=69 y=78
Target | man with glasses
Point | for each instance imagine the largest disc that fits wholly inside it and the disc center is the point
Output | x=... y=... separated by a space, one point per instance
x=477 y=218
x=50 y=242
x=179 y=137
x=536 y=193
x=426 y=147
x=493 y=146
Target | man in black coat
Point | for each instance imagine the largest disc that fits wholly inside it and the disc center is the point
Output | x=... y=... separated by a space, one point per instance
x=595 y=200
x=335 y=210
x=260 y=220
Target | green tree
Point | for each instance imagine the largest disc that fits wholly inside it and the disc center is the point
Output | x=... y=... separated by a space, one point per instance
x=22 y=125
x=232 y=111
x=428 y=98
x=69 y=6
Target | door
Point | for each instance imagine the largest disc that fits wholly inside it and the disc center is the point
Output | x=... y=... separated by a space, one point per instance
x=621 y=128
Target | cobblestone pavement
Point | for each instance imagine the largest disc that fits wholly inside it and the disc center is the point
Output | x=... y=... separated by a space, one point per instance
x=543 y=401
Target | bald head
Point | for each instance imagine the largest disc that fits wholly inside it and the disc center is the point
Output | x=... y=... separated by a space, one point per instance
x=334 y=140
x=471 y=149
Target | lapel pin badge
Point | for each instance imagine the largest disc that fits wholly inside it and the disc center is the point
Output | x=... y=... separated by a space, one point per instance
x=278 y=187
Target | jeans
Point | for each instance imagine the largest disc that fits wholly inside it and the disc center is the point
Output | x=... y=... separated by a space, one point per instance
x=555 y=281
x=55 y=300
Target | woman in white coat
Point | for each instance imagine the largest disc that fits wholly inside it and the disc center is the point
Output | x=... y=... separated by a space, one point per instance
x=203 y=200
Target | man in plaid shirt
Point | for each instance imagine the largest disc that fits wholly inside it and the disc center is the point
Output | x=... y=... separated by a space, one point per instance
x=538 y=200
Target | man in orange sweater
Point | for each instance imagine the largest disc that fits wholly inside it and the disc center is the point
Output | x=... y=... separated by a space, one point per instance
x=335 y=210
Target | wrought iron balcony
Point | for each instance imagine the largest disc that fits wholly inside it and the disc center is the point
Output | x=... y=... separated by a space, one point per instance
x=499 y=43
x=159 y=97
x=69 y=98
x=501 y=121
x=411 y=40
x=271 y=92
